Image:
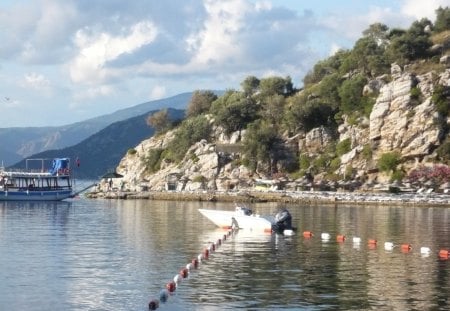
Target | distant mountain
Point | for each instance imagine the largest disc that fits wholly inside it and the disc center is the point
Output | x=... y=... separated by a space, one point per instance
x=103 y=151
x=17 y=143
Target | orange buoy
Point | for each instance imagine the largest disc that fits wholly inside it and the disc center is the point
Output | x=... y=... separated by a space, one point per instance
x=406 y=248
x=184 y=273
x=153 y=304
x=307 y=234
x=340 y=238
x=171 y=287
x=444 y=253
x=267 y=230
x=372 y=242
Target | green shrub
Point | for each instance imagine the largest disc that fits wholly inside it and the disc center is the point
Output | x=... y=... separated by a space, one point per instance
x=439 y=98
x=131 y=151
x=343 y=147
x=348 y=172
x=388 y=161
x=335 y=163
x=199 y=178
x=153 y=160
x=397 y=175
x=304 y=162
x=367 y=152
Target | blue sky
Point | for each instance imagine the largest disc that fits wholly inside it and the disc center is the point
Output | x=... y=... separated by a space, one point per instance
x=63 y=61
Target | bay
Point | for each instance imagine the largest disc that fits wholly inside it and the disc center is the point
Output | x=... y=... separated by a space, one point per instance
x=119 y=254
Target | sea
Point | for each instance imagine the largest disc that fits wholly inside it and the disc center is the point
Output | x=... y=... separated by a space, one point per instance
x=94 y=254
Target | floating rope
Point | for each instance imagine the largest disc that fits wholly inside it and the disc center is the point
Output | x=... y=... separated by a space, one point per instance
x=171 y=286
x=388 y=246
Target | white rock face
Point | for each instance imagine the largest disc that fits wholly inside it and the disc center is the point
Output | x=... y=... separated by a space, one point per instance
x=397 y=122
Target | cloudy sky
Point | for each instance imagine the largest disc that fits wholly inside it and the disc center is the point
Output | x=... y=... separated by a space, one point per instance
x=63 y=61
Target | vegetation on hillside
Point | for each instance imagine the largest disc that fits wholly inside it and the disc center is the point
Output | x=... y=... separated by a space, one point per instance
x=271 y=109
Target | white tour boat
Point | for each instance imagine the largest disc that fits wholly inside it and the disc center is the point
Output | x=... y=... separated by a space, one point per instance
x=43 y=184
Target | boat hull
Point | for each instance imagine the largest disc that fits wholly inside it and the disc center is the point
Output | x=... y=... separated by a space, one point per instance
x=226 y=219
x=56 y=195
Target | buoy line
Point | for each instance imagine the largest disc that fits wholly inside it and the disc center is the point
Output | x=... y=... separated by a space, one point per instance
x=184 y=272
x=443 y=254
x=170 y=287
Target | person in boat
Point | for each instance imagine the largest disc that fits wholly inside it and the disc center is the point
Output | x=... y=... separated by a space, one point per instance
x=283 y=221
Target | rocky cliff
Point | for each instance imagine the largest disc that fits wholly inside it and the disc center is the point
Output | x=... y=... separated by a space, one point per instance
x=404 y=119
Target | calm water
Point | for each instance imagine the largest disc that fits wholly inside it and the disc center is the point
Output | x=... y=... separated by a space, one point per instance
x=118 y=255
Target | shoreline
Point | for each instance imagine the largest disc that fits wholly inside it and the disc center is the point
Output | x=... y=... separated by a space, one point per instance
x=297 y=197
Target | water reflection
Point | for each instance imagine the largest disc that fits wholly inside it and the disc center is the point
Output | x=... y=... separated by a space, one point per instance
x=116 y=255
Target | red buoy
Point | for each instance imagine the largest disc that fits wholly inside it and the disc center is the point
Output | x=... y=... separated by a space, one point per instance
x=307 y=234
x=224 y=237
x=153 y=304
x=206 y=253
x=406 y=248
x=184 y=273
x=444 y=254
x=340 y=238
x=219 y=242
x=171 y=287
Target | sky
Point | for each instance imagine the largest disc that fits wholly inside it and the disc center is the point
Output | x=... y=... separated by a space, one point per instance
x=64 y=61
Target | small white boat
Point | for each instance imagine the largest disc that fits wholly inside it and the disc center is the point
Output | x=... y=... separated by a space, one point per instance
x=241 y=218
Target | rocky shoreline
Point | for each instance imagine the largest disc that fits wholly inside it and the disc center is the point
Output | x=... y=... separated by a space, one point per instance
x=297 y=197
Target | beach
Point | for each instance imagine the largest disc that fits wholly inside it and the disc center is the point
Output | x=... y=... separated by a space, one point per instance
x=303 y=197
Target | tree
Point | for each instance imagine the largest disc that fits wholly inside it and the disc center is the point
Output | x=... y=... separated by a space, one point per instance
x=350 y=93
x=410 y=45
x=276 y=86
x=326 y=67
x=190 y=131
x=233 y=111
x=263 y=147
x=377 y=32
x=273 y=109
x=442 y=22
x=159 y=120
x=310 y=114
x=200 y=103
x=250 y=85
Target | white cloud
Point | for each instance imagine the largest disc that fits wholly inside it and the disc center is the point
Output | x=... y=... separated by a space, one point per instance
x=93 y=92
x=157 y=92
x=217 y=41
x=36 y=81
x=97 y=49
x=420 y=8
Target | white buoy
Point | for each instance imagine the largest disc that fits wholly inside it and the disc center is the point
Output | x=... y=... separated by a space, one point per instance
x=388 y=246
x=177 y=279
x=200 y=257
x=356 y=240
x=325 y=236
x=425 y=250
x=288 y=232
x=190 y=266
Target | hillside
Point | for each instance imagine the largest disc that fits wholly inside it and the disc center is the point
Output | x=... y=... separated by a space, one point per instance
x=20 y=142
x=371 y=117
x=102 y=151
